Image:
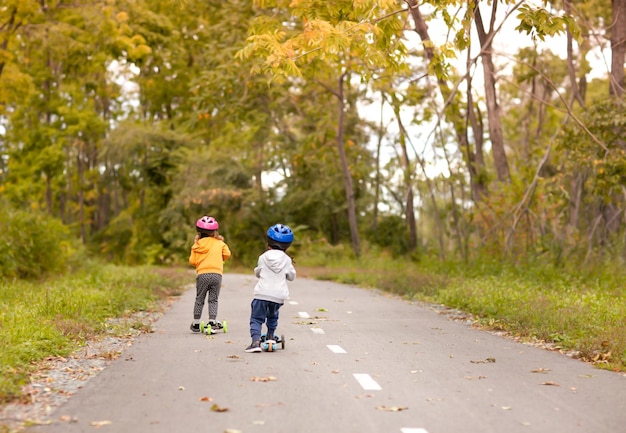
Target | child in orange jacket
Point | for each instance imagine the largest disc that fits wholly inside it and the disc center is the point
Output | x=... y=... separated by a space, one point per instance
x=208 y=254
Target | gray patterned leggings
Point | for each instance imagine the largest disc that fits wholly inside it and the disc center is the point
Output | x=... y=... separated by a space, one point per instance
x=207 y=284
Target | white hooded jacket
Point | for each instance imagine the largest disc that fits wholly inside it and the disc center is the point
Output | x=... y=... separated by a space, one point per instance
x=273 y=270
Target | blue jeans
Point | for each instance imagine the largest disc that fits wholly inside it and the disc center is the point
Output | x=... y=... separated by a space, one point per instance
x=263 y=312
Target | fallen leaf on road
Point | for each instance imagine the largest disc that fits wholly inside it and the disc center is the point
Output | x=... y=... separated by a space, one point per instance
x=365 y=396
x=98 y=424
x=206 y=399
x=602 y=357
x=232 y=430
x=392 y=408
x=540 y=370
x=506 y=408
x=111 y=355
x=233 y=356
x=484 y=361
x=262 y=379
x=38 y=422
x=181 y=388
x=217 y=408
x=335 y=371
x=551 y=383
x=321 y=309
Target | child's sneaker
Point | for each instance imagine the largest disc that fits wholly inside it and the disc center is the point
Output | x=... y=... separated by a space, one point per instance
x=254 y=347
x=195 y=327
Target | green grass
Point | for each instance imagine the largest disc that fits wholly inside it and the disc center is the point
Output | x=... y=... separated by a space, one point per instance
x=576 y=315
x=578 y=310
x=40 y=319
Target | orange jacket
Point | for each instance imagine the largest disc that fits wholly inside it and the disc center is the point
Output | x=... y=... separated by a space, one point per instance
x=208 y=255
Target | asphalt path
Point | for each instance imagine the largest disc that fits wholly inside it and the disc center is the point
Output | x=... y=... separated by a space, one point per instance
x=355 y=360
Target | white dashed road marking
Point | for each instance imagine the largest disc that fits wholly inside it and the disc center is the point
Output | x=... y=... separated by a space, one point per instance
x=366 y=382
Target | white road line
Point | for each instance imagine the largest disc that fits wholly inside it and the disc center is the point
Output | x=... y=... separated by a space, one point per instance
x=303 y=315
x=413 y=430
x=366 y=382
x=336 y=349
x=318 y=331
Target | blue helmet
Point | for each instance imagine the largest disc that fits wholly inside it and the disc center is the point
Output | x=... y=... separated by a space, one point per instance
x=280 y=233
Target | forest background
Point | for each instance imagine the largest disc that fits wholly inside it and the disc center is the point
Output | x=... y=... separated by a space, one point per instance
x=464 y=152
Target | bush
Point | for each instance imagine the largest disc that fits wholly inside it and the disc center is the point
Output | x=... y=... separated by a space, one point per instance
x=31 y=244
x=391 y=233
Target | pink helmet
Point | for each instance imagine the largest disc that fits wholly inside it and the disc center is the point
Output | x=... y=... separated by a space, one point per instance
x=207 y=223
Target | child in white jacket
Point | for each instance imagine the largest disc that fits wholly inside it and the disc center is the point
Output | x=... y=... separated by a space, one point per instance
x=273 y=270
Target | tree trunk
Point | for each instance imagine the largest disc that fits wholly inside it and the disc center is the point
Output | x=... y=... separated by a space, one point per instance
x=9 y=28
x=408 y=204
x=66 y=203
x=116 y=197
x=453 y=114
x=454 y=211
x=618 y=57
x=409 y=208
x=476 y=159
x=377 y=177
x=49 y=193
x=258 y=169
x=571 y=69
x=81 y=195
x=618 y=48
x=347 y=177
x=493 y=109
